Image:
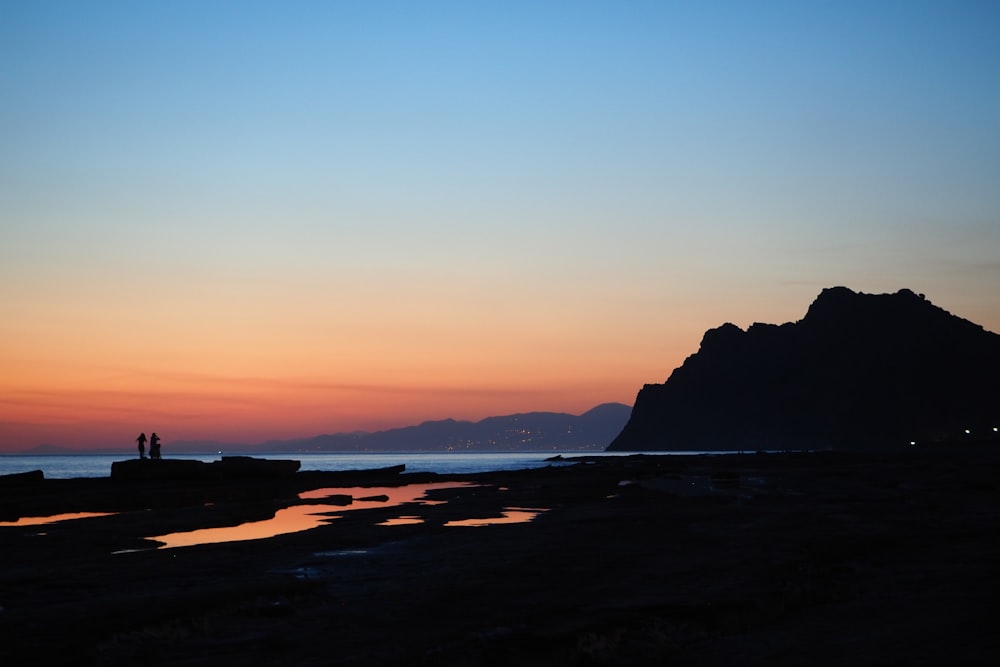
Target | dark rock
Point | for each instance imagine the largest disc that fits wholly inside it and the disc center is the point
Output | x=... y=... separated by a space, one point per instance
x=247 y=466
x=20 y=478
x=381 y=498
x=229 y=467
x=859 y=370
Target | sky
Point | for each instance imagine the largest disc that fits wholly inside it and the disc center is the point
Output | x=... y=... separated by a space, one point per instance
x=244 y=221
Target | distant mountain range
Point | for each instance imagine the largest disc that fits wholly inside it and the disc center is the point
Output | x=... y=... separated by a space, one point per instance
x=531 y=431
x=858 y=371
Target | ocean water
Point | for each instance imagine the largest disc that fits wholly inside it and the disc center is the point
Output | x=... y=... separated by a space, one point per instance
x=59 y=466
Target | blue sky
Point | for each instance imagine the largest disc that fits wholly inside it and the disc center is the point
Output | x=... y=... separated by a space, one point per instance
x=584 y=185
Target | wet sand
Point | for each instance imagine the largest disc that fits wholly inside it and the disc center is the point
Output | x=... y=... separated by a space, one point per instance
x=776 y=559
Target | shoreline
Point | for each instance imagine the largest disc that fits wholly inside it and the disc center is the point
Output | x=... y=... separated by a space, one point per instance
x=780 y=558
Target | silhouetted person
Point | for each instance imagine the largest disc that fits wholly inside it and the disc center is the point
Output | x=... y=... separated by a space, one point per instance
x=142 y=445
x=154 y=446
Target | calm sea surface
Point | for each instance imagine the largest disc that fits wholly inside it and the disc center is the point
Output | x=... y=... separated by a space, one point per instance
x=57 y=466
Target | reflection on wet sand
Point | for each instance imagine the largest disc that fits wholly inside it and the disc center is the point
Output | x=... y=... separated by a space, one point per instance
x=298 y=518
x=43 y=520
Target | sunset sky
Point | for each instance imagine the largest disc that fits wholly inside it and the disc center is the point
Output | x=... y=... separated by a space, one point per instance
x=254 y=220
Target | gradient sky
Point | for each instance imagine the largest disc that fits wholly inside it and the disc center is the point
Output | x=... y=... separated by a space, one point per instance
x=255 y=220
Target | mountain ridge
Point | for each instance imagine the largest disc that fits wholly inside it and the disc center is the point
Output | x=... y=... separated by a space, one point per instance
x=858 y=370
x=526 y=431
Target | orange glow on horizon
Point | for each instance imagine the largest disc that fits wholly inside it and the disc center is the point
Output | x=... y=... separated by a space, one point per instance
x=90 y=366
x=107 y=408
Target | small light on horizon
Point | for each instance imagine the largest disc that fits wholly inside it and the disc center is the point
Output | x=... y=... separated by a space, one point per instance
x=967 y=431
x=913 y=442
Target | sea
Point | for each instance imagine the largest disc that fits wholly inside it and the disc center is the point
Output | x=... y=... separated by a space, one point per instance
x=65 y=466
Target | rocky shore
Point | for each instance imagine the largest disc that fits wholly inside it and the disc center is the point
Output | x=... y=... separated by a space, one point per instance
x=824 y=558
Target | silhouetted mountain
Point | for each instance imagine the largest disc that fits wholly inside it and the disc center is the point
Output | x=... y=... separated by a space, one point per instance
x=531 y=431
x=859 y=370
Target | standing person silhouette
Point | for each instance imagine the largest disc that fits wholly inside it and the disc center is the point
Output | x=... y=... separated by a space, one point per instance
x=154 y=446
x=142 y=445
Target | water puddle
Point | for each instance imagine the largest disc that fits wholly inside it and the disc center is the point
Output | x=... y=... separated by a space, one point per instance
x=509 y=515
x=307 y=516
x=292 y=519
x=402 y=521
x=365 y=497
x=55 y=518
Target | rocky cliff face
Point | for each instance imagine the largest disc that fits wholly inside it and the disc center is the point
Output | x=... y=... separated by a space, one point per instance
x=859 y=370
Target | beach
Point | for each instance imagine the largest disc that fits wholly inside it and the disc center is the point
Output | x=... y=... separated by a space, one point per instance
x=819 y=558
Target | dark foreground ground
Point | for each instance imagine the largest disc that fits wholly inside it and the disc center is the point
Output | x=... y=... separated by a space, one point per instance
x=764 y=559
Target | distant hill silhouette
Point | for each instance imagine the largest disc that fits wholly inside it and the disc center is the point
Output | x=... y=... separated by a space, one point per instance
x=530 y=431
x=859 y=370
